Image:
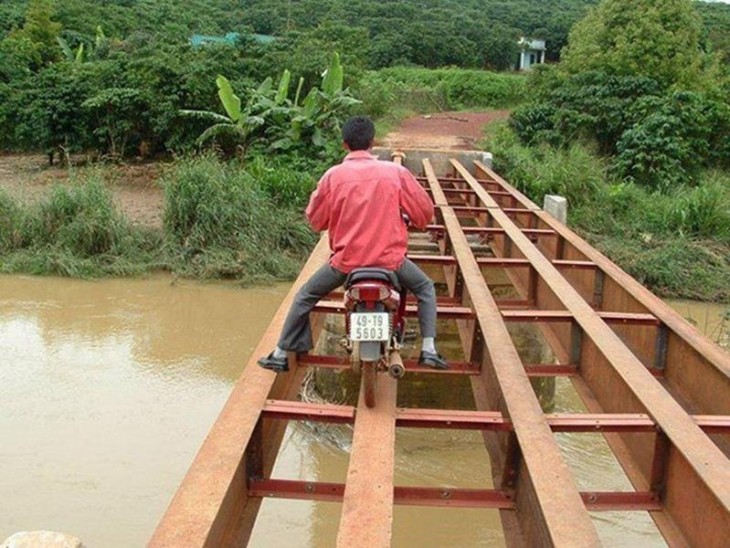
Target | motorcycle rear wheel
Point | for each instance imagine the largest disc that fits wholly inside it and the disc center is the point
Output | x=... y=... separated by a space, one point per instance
x=369 y=377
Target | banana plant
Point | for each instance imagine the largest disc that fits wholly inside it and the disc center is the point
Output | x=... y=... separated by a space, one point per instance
x=239 y=121
x=320 y=109
x=71 y=56
x=269 y=115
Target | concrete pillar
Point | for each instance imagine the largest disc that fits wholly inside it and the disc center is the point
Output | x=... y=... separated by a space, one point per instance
x=557 y=206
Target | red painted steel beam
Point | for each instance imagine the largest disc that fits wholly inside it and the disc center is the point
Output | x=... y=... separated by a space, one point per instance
x=464 y=313
x=499 y=262
x=694 y=459
x=549 y=509
x=444 y=312
x=566 y=316
x=485 y=420
x=338 y=362
x=367 y=506
x=288 y=410
x=494 y=230
x=596 y=501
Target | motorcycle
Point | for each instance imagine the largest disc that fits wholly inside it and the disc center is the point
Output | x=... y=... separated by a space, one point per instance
x=375 y=307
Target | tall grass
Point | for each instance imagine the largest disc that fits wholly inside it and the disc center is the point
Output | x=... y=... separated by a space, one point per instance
x=74 y=231
x=676 y=243
x=223 y=222
x=11 y=221
x=573 y=173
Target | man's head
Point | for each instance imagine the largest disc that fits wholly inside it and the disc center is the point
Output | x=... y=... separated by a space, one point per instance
x=358 y=133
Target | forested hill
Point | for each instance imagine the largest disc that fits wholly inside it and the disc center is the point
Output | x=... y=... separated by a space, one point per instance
x=429 y=33
x=470 y=33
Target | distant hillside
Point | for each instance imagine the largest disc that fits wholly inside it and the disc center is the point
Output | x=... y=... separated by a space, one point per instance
x=384 y=32
x=395 y=31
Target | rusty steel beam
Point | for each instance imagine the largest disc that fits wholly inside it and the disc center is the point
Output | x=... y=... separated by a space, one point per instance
x=211 y=506
x=694 y=463
x=367 y=507
x=697 y=368
x=449 y=497
x=548 y=506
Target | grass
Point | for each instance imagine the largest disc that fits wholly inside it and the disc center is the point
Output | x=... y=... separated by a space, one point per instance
x=74 y=231
x=221 y=221
x=677 y=244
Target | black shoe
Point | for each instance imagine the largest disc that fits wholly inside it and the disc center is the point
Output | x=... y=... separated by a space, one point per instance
x=277 y=365
x=433 y=360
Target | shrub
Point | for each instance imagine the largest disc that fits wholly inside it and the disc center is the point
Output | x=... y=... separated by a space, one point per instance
x=669 y=142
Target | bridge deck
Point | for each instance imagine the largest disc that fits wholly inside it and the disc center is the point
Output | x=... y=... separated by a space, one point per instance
x=657 y=390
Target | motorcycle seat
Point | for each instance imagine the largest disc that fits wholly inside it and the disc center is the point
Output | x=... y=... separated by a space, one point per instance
x=367 y=274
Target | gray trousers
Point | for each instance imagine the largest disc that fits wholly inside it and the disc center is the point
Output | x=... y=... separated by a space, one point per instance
x=296 y=336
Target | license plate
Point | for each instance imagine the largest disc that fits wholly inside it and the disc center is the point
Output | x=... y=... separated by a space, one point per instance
x=369 y=326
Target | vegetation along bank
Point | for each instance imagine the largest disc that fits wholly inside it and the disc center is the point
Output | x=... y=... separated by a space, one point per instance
x=630 y=121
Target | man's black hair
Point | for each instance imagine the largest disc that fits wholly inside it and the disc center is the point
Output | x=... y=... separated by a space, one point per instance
x=358 y=133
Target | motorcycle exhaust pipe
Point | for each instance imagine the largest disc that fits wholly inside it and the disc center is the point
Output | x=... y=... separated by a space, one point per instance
x=396 y=369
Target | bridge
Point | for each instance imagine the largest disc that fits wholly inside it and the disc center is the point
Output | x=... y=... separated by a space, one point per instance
x=657 y=390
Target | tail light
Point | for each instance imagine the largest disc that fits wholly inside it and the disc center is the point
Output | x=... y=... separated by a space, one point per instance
x=373 y=293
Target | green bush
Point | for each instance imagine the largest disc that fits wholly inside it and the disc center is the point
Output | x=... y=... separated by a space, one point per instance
x=669 y=142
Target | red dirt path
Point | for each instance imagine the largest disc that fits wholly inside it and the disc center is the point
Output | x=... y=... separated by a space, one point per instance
x=445 y=130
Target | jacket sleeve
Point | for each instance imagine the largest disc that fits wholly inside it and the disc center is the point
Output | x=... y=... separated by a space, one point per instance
x=318 y=210
x=415 y=201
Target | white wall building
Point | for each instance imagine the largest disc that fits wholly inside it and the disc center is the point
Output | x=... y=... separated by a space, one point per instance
x=533 y=53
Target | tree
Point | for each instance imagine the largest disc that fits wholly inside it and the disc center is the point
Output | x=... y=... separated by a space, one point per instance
x=659 y=39
x=41 y=30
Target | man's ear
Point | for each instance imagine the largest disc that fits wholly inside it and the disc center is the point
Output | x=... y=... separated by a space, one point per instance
x=347 y=147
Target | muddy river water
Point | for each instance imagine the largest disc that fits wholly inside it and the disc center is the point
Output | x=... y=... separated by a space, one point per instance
x=107 y=389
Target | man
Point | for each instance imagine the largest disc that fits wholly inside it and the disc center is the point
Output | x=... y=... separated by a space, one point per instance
x=361 y=202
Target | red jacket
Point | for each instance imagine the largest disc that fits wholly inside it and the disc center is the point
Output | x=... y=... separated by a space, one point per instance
x=360 y=202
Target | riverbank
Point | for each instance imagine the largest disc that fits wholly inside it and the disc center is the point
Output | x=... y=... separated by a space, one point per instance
x=186 y=216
